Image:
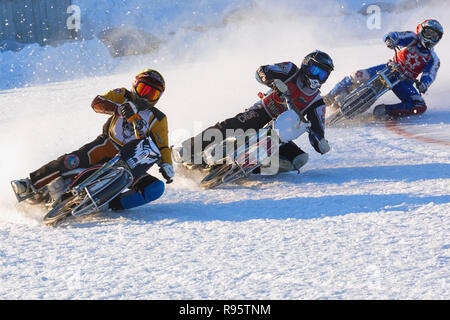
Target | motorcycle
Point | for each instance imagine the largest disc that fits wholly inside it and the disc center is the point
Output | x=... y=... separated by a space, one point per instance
x=237 y=157
x=82 y=192
x=361 y=98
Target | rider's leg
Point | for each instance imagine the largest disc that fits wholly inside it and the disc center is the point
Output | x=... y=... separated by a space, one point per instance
x=191 y=149
x=97 y=151
x=411 y=103
x=292 y=157
x=146 y=189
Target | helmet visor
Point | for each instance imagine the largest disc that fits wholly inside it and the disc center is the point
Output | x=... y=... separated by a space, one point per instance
x=431 y=34
x=318 y=72
x=146 y=91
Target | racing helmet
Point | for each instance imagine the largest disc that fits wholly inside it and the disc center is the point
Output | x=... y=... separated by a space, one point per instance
x=429 y=33
x=316 y=68
x=147 y=88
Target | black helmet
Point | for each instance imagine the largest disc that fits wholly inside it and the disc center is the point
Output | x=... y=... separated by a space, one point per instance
x=316 y=68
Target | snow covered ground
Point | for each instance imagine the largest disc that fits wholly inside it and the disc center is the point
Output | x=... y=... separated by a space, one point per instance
x=368 y=220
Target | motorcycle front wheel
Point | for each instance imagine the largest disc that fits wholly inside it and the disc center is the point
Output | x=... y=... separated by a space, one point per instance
x=215 y=177
x=224 y=174
x=61 y=211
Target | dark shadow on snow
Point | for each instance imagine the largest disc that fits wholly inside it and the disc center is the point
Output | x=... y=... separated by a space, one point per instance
x=297 y=207
x=291 y=208
x=406 y=173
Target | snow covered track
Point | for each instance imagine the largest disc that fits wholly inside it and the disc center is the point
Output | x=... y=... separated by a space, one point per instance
x=396 y=127
x=368 y=220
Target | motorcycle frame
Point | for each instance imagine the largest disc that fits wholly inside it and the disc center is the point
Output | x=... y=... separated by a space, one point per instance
x=240 y=161
x=108 y=177
x=383 y=81
x=385 y=77
x=95 y=184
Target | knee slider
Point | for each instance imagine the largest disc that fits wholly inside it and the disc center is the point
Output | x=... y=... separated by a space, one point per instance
x=149 y=187
x=419 y=105
x=300 y=160
x=146 y=190
x=153 y=191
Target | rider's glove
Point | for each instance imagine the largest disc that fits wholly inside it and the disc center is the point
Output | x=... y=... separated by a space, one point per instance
x=390 y=43
x=320 y=144
x=167 y=172
x=127 y=112
x=422 y=87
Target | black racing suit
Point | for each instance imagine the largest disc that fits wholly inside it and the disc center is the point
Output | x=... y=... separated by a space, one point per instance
x=307 y=103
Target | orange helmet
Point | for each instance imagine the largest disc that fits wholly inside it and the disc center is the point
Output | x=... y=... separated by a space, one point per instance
x=148 y=86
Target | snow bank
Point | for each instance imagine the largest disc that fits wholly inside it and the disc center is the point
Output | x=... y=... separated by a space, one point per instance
x=197 y=30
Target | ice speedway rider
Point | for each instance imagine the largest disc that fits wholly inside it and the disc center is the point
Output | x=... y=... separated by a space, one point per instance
x=416 y=56
x=303 y=84
x=147 y=88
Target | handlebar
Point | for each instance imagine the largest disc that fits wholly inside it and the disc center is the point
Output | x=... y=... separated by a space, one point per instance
x=396 y=49
x=137 y=132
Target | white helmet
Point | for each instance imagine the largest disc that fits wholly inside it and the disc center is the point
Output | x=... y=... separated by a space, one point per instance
x=429 y=33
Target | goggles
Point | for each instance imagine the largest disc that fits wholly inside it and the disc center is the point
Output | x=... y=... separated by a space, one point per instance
x=146 y=91
x=431 y=34
x=320 y=73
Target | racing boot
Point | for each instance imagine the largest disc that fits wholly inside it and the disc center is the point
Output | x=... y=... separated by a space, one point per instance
x=23 y=189
x=296 y=163
x=299 y=161
x=284 y=165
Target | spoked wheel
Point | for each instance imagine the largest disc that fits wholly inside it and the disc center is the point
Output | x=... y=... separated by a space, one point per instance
x=335 y=118
x=214 y=178
x=224 y=174
x=60 y=212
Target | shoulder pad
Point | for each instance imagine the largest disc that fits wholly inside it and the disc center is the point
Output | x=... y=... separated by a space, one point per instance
x=116 y=95
x=158 y=113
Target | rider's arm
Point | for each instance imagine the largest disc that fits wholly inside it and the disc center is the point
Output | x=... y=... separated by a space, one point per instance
x=401 y=39
x=109 y=102
x=430 y=70
x=316 y=116
x=159 y=133
x=283 y=71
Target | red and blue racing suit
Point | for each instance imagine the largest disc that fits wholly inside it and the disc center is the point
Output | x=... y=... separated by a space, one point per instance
x=415 y=60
